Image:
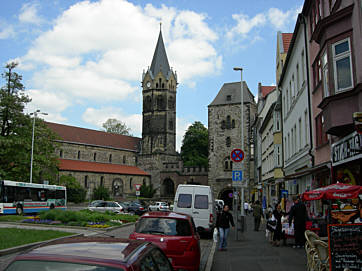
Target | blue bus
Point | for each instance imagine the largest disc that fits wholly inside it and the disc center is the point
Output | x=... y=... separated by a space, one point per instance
x=19 y=197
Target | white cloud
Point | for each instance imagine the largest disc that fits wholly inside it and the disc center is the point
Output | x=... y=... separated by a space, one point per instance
x=29 y=14
x=97 y=50
x=181 y=127
x=99 y=116
x=247 y=27
x=6 y=31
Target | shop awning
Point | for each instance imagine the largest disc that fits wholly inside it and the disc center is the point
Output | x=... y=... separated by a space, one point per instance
x=307 y=171
x=334 y=191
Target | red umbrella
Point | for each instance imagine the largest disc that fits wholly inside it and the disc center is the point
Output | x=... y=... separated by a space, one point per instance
x=334 y=191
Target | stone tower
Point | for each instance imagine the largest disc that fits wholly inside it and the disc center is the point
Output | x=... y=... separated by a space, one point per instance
x=159 y=84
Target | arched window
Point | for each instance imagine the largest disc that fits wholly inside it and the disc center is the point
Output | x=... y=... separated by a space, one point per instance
x=78 y=154
x=110 y=158
x=226 y=165
x=228 y=141
x=124 y=159
x=144 y=181
x=170 y=125
x=95 y=156
x=86 y=181
x=61 y=153
x=228 y=122
x=130 y=184
x=233 y=124
x=223 y=125
x=163 y=85
x=102 y=180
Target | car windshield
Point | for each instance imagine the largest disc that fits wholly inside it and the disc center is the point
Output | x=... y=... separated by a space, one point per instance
x=56 y=266
x=166 y=226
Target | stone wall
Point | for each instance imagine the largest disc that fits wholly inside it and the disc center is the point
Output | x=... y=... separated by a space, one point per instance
x=103 y=154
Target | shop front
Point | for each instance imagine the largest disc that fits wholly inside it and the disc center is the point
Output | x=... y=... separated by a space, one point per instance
x=346 y=157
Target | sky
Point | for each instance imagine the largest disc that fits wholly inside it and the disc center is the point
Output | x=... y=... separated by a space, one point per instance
x=82 y=61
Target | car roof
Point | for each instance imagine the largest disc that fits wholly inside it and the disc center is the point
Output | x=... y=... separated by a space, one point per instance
x=173 y=215
x=101 y=249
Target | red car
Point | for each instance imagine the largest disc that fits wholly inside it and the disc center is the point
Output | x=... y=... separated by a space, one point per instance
x=93 y=254
x=175 y=234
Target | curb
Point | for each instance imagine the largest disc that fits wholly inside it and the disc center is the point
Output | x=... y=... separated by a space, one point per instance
x=210 y=259
x=12 y=250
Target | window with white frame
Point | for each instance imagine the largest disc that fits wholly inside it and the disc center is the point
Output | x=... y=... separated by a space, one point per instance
x=306 y=127
x=300 y=133
x=325 y=74
x=298 y=80
x=302 y=66
x=295 y=138
x=342 y=65
x=277 y=155
x=276 y=121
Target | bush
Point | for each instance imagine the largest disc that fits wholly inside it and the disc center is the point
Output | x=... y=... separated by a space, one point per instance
x=75 y=192
x=101 y=193
x=147 y=191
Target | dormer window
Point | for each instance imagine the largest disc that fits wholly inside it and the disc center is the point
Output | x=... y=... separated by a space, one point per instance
x=228 y=98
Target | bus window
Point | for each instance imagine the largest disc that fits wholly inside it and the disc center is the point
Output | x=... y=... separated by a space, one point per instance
x=9 y=193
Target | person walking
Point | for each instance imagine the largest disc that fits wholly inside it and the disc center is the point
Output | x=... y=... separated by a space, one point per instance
x=246 y=207
x=257 y=212
x=298 y=214
x=277 y=236
x=223 y=221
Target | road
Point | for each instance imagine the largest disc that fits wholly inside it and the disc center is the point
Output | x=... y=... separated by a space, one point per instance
x=122 y=232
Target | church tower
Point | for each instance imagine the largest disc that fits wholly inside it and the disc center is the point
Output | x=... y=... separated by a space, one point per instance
x=159 y=84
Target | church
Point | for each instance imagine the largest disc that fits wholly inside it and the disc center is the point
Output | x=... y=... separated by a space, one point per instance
x=118 y=162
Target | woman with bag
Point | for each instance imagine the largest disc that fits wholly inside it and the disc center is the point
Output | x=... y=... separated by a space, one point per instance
x=223 y=221
x=277 y=236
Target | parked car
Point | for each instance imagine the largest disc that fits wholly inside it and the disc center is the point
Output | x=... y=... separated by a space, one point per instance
x=198 y=202
x=159 y=206
x=103 y=206
x=136 y=208
x=175 y=234
x=92 y=253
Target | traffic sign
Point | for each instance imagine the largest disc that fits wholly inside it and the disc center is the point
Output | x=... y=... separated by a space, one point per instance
x=138 y=193
x=237 y=155
x=237 y=175
x=138 y=187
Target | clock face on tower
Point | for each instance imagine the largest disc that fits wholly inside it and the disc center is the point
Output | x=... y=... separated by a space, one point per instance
x=148 y=84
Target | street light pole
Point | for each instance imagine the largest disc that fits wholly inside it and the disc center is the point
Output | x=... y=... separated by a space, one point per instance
x=35 y=113
x=242 y=214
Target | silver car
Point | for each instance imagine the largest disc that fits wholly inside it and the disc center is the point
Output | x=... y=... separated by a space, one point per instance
x=103 y=206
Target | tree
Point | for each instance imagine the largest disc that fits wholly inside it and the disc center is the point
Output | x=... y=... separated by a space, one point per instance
x=147 y=191
x=16 y=135
x=194 y=150
x=75 y=192
x=101 y=193
x=116 y=127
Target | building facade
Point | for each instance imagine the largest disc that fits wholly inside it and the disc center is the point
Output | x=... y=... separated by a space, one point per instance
x=335 y=34
x=297 y=139
x=224 y=124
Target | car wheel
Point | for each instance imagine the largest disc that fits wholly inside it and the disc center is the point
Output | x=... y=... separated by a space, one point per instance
x=52 y=206
x=19 y=210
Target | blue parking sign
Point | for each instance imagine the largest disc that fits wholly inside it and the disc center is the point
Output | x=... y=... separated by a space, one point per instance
x=237 y=175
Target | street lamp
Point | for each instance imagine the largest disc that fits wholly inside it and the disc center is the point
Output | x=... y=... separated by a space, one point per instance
x=242 y=139
x=35 y=113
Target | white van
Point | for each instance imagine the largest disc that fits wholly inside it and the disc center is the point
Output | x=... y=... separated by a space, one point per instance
x=198 y=202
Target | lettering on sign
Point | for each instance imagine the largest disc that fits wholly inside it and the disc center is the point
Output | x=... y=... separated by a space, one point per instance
x=345 y=247
x=346 y=149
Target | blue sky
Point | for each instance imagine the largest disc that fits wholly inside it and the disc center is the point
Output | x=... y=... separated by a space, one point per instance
x=82 y=61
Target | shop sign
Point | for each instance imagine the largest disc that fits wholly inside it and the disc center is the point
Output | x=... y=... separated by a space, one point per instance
x=346 y=149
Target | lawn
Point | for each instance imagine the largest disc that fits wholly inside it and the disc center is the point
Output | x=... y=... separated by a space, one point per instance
x=11 y=218
x=10 y=237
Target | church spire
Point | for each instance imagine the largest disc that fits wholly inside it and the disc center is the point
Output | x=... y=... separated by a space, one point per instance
x=160 y=61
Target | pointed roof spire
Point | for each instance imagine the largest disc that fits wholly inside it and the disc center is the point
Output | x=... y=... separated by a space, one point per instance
x=160 y=61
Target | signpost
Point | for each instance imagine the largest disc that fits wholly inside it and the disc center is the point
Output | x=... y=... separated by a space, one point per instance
x=138 y=187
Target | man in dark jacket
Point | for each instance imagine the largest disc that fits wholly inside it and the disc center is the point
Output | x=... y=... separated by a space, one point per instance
x=223 y=221
x=298 y=213
x=257 y=212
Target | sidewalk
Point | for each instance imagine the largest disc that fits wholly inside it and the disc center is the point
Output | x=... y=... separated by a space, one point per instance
x=254 y=252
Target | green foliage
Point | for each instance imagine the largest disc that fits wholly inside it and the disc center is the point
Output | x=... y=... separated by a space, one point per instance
x=16 y=135
x=101 y=193
x=116 y=127
x=75 y=192
x=12 y=237
x=194 y=150
x=147 y=191
x=76 y=218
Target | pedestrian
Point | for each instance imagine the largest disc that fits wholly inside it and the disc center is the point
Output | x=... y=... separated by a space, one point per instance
x=257 y=212
x=223 y=221
x=246 y=207
x=298 y=214
x=278 y=235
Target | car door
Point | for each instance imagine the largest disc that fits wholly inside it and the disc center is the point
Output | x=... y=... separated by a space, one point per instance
x=200 y=208
x=184 y=201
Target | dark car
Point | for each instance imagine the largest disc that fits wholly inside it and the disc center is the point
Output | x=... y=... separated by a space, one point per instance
x=175 y=234
x=136 y=208
x=92 y=254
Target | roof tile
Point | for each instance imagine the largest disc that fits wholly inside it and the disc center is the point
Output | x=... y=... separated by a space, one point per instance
x=84 y=166
x=94 y=137
x=265 y=90
x=287 y=37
